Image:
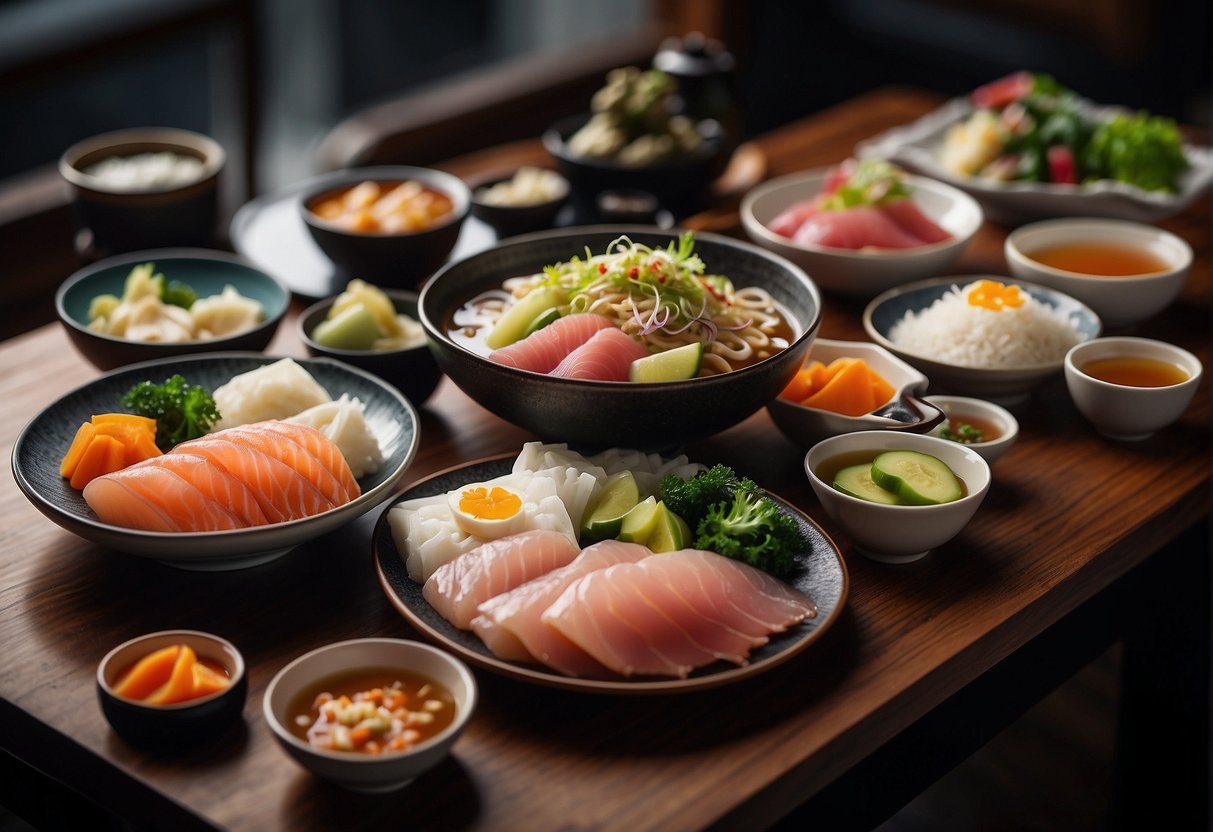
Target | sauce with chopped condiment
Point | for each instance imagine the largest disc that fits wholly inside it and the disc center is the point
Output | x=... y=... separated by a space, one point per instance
x=968 y=430
x=1135 y=371
x=1100 y=259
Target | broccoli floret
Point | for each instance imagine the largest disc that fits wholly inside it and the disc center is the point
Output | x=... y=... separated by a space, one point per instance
x=182 y=411
x=751 y=528
x=691 y=499
x=1139 y=149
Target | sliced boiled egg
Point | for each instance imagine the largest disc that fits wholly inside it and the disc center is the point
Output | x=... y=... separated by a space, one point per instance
x=488 y=510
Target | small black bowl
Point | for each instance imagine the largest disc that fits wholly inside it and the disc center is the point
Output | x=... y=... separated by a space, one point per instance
x=400 y=260
x=413 y=371
x=681 y=184
x=508 y=220
x=170 y=727
x=129 y=218
x=599 y=414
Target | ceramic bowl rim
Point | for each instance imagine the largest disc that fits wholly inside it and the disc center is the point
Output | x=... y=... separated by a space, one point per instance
x=1191 y=363
x=791 y=180
x=392 y=292
x=461 y=719
x=164 y=255
x=1005 y=417
x=1086 y=228
x=448 y=183
x=213 y=156
x=225 y=646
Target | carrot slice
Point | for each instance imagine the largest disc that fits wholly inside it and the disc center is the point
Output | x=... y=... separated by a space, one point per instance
x=207 y=681
x=148 y=674
x=849 y=392
x=800 y=387
x=140 y=443
x=84 y=436
x=142 y=422
x=180 y=684
x=104 y=455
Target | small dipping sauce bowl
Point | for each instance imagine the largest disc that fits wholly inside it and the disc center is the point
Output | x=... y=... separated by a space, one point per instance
x=1000 y=428
x=1129 y=388
x=172 y=726
x=1126 y=271
x=148 y=187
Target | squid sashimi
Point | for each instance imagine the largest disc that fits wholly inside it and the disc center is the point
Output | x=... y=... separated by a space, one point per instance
x=281 y=491
x=543 y=349
x=854 y=228
x=457 y=588
x=605 y=357
x=624 y=615
x=509 y=624
x=293 y=455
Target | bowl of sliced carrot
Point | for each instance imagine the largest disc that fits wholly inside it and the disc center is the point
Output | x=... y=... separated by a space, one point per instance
x=173 y=688
x=848 y=386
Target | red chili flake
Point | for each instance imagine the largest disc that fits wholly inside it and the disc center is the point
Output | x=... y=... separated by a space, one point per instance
x=661 y=278
x=633 y=272
x=602 y=268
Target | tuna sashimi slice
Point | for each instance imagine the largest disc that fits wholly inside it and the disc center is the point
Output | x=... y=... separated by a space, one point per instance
x=323 y=448
x=156 y=499
x=457 y=588
x=605 y=357
x=543 y=349
x=510 y=624
x=907 y=214
x=791 y=218
x=855 y=228
x=282 y=492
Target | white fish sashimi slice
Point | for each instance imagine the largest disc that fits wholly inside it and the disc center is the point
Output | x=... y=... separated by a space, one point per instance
x=510 y=624
x=752 y=591
x=457 y=588
x=585 y=613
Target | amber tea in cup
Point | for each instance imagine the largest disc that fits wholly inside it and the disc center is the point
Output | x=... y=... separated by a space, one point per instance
x=1135 y=371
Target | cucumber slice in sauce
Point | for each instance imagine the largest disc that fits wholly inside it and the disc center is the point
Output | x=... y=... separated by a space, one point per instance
x=541 y=320
x=515 y=320
x=856 y=480
x=672 y=365
x=918 y=479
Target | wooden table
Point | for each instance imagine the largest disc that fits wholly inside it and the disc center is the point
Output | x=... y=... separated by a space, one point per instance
x=1058 y=557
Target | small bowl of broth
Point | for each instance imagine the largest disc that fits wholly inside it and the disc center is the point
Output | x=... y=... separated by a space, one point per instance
x=1130 y=388
x=1126 y=271
x=985 y=427
x=370 y=715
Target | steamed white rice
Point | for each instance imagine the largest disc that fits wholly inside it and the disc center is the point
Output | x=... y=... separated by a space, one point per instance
x=952 y=331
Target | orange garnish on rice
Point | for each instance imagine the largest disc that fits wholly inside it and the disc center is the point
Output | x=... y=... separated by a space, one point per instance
x=995 y=296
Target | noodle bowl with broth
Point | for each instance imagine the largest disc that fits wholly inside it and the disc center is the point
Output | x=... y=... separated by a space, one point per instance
x=659 y=296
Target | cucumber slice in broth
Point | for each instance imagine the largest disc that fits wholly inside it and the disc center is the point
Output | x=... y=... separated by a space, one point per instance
x=856 y=481
x=918 y=479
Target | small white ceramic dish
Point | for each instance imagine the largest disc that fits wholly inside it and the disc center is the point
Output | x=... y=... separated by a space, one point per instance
x=362 y=772
x=1119 y=411
x=865 y=272
x=907 y=411
x=963 y=409
x=899 y=533
x=1119 y=301
x=917 y=146
x=1005 y=385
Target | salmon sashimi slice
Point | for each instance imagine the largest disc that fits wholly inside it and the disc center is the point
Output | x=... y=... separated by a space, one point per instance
x=605 y=357
x=855 y=228
x=283 y=493
x=299 y=458
x=216 y=483
x=907 y=214
x=509 y=624
x=585 y=613
x=543 y=349
x=457 y=588
x=181 y=506
x=323 y=448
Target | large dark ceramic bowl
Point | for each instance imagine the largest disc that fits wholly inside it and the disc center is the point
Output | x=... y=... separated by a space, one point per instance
x=403 y=259
x=682 y=184
x=126 y=217
x=412 y=370
x=172 y=727
x=589 y=414
x=207 y=272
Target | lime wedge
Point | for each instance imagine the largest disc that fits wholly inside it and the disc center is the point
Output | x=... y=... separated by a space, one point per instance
x=541 y=320
x=353 y=328
x=670 y=533
x=672 y=365
x=604 y=516
x=638 y=524
x=512 y=325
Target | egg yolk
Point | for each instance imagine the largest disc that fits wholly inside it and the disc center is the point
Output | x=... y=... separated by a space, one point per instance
x=485 y=504
x=995 y=296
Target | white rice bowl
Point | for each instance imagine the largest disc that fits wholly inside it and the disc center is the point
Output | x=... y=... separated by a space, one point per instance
x=973 y=351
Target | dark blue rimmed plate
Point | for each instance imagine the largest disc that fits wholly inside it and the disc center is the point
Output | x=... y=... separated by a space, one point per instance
x=41 y=445
x=822 y=577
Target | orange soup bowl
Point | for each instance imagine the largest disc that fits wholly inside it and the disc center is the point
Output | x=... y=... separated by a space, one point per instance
x=1108 y=377
x=1126 y=271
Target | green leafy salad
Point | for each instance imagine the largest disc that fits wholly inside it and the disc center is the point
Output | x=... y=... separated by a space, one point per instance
x=1027 y=127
